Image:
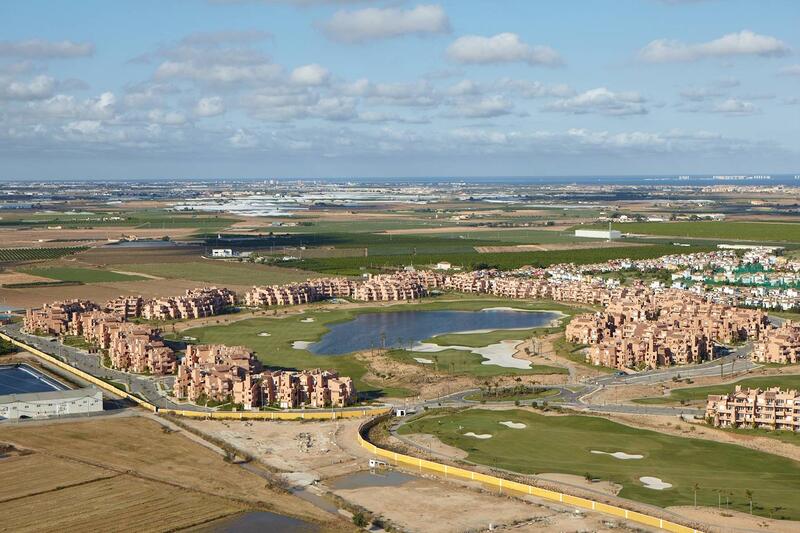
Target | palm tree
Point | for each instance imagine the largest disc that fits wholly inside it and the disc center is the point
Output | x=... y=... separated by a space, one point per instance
x=695 y=487
x=749 y=494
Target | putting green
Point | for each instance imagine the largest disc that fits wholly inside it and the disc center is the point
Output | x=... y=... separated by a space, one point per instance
x=564 y=444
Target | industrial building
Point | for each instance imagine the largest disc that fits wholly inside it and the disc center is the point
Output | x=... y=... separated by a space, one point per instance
x=52 y=403
x=606 y=234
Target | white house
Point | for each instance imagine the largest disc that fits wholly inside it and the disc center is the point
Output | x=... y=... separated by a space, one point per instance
x=221 y=252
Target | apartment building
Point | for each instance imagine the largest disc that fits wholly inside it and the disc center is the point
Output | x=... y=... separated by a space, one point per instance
x=195 y=303
x=232 y=373
x=54 y=318
x=772 y=408
x=779 y=345
x=126 y=306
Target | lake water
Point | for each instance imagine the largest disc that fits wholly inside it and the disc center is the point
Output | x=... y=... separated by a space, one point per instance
x=404 y=328
x=259 y=521
x=22 y=379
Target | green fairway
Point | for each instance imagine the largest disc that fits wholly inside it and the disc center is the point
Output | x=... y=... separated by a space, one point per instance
x=690 y=394
x=747 y=231
x=82 y=275
x=564 y=444
x=219 y=272
x=276 y=349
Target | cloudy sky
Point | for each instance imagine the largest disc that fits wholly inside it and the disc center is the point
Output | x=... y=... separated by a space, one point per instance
x=306 y=88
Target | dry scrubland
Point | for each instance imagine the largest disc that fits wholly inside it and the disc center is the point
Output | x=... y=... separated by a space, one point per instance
x=126 y=474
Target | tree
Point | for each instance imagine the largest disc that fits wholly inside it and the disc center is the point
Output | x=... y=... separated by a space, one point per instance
x=749 y=494
x=695 y=487
x=360 y=520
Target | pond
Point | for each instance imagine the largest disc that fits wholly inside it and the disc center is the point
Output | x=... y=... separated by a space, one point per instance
x=404 y=328
x=257 y=521
x=360 y=480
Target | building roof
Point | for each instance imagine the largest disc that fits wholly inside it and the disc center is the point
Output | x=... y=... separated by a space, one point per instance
x=51 y=395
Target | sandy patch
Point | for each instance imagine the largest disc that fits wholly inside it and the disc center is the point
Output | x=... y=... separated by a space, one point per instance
x=482 y=436
x=301 y=345
x=309 y=320
x=654 y=483
x=620 y=455
x=423 y=361
x=500 y=354
x=606 y=487
x=735 y=520
x=188 y=338
x=513 y=425
x=264 y=334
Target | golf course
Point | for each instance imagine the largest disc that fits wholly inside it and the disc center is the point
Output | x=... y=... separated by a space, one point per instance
x=653 y=468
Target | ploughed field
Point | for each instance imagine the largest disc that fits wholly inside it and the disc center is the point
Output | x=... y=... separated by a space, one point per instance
x=581 y=445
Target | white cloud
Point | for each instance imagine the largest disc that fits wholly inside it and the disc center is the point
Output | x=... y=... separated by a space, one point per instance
x=61 y=105
x=210 y=106
x=790 y=70
x=381 y=23
x=217 y=73
x=733 y=44
x=243 y=139
x=492 y=106
x=166 y=118
x=38 y=88
x=735 y=107
x=41 y=49
x=310 y=75
x=500 y=48
x=601 y=101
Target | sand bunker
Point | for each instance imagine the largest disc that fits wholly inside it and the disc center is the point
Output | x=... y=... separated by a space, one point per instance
x=620 y=455
x=264 y=334
x=190 y=338
x=423 y=361
x=513 y=425
x=500 y=354
x=309 y=319
x=482 y=436
x=301 y=345
x=654 y=483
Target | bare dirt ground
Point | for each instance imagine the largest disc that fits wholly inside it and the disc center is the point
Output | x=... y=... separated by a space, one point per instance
x=606 y=487
x=18 y=238
x=727 y=521
x=555 y=246
x=166 y=479
x=316 y=449
x=7 y=277
x=98 y=292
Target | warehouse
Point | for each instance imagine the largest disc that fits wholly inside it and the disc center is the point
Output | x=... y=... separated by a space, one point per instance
x=52 y=403
x=598 y=234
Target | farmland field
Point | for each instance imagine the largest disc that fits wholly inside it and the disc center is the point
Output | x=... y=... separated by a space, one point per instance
x=83 y=275
x=10 y=255
x=218 y=272
x=564 y=444
x=690 y=394
x=157 y=480
x=746 y=231
x=503 y=261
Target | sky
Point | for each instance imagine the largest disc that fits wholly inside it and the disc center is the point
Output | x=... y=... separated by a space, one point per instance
x=393 y=88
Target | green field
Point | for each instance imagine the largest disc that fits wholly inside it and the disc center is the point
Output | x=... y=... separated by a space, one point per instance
x=11 y=255
x=146 y=218
x=690 y=394
x=745 y=231
x=563 y=444
x=503 y=261
x=82 y=275
x=276 y=350
x=219 y=272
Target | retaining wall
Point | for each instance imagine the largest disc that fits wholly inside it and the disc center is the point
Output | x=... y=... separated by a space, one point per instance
x=520 y=488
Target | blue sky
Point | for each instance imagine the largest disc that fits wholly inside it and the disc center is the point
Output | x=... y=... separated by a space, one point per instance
x=271 y=88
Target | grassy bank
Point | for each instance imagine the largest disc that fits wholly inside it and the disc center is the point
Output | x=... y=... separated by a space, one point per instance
x=691 y=394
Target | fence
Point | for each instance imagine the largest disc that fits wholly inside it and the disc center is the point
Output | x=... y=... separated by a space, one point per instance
x=223 y=415
x=520 y=488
